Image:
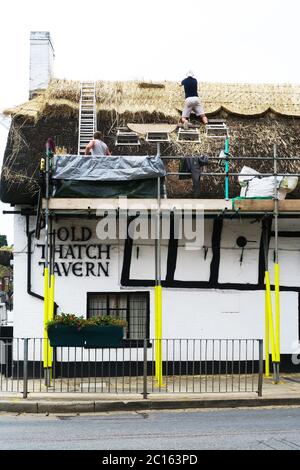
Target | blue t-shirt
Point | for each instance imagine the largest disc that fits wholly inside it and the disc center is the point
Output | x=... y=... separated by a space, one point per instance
x=190 y=87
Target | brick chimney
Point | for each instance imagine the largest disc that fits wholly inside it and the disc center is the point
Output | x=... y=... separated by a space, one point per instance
x=41 y=61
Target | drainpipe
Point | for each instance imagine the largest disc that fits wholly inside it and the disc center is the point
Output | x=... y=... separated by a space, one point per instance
x=29 y=234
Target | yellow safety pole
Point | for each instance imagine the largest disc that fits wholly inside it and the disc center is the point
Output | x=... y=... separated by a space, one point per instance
x=270 y=315
x=158 y=288
x=156 y=330
x=277 y=310
x=50 y=316
x=158 y=334
x=48 y=271
x=46 y=315
x=267 y=336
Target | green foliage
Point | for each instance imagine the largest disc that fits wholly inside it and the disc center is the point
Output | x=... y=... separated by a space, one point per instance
x=69 y=319
x=105 y=320
x=5 y=271
x=3 y=240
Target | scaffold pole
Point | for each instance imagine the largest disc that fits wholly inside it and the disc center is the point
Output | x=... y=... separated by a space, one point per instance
x=276 y=273
x=158 y=287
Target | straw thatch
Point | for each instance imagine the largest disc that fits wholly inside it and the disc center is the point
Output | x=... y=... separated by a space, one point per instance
x=257 y=115
x=165 y=98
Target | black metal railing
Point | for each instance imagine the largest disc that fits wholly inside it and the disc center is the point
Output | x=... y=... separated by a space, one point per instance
x=188 y=366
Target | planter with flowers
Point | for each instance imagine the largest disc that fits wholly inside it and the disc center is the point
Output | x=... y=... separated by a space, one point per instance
x=66 y=330
x=97 y=332
x=104 y=332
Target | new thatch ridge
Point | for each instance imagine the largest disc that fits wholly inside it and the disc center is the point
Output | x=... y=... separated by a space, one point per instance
x=164 y=98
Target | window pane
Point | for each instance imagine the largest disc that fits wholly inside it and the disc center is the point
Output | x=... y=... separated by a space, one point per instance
x=132 y=307
x=138 y=316
x=118 y=308
x=97 y=305
x=118 y=305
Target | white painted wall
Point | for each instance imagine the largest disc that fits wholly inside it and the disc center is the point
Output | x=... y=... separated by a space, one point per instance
x=187 y=313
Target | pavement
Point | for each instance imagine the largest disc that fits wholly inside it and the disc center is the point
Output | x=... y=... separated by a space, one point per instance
x=285 y=393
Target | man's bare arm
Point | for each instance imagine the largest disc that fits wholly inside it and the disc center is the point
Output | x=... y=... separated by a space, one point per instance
x=89 y=147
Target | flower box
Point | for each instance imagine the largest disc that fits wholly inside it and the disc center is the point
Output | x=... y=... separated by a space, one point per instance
x=65 y=336
x=106 y=336
x=97 y=332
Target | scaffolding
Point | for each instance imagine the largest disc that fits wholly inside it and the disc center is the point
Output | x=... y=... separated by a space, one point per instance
x=272 y=324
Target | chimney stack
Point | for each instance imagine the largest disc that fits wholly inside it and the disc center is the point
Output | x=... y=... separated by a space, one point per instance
x=41 y=61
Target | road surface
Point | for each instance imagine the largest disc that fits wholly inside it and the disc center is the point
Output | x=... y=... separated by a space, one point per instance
x=261 y=428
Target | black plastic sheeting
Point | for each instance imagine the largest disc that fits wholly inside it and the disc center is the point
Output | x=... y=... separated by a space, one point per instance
x=144 y=188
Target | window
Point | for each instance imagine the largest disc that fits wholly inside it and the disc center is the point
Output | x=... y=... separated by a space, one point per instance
x=131 y=306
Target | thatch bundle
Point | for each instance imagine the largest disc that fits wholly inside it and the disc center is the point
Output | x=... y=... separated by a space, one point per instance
x=253 y=126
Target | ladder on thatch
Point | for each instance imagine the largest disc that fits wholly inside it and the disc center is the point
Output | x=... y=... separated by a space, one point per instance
x=87 y=115
x=188 y=135
x=217 y=129
x=126 y=137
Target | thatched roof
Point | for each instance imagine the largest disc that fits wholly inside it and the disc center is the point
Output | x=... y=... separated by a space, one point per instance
x=62 y=97
x=257 y=116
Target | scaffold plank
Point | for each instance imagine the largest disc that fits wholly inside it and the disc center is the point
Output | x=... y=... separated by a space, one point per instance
x=122 y=203
x=259 y=205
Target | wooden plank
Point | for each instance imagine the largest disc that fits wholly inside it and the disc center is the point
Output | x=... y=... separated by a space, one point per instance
x=207 y=205
x=145 y=128
x=261 y=205
x=81 y=203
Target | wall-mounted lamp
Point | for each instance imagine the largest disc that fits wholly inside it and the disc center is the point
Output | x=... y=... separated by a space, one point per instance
x=241 y=242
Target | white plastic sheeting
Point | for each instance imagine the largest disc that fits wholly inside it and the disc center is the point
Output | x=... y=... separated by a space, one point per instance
x=254 y=185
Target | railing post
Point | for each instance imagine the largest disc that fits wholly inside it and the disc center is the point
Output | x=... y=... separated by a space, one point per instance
x=25 y=369
x=145 y=392
x=260 y=367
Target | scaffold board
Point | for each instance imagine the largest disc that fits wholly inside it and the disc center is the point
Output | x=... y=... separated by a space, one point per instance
x=144 y=128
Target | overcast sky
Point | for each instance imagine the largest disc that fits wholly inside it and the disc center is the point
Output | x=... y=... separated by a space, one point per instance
x=221 y=40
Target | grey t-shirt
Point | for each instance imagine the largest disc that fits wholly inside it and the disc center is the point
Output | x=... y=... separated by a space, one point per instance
x=100 y=148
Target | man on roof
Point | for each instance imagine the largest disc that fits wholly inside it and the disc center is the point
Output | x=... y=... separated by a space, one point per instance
x=96 y=146
x=192 y=102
